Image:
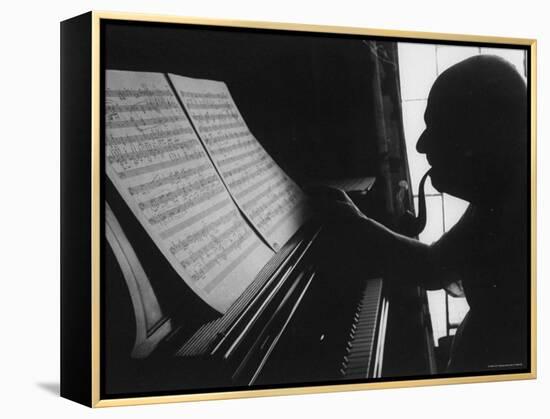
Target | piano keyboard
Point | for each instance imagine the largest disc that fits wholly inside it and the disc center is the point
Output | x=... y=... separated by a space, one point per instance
x=207 y=338
x=364 y=349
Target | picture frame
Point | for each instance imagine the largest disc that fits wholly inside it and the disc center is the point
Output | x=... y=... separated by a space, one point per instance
x=325 y=105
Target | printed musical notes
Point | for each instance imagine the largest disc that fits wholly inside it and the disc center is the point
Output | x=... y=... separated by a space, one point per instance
x=160 y=168
x=273 y=203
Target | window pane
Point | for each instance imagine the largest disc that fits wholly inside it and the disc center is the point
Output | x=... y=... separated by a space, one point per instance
x=418 y=72
x=454 y=208
x=434 y=224
x=450 y=55
x=512 y=55
x=458 y=307
x=436 y=304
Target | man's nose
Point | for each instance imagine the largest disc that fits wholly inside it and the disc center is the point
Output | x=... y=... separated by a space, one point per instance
x=422 y=143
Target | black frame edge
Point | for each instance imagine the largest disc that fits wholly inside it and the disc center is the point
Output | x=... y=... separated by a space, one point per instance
x=75 y=183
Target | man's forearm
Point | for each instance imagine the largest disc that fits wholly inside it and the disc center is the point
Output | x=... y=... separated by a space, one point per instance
x=403 y=256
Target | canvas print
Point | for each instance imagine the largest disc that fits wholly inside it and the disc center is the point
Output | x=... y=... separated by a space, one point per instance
x=289 y=208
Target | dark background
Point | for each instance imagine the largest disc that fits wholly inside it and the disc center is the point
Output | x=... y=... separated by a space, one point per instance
x=305 y=97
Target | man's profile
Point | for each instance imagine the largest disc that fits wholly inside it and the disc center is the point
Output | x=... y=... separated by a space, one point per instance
x=476 y=142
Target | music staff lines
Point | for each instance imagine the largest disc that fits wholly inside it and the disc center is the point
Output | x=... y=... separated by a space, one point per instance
x=185 y=189
x=196 y=95
x=265 y=212
x=150 y=136
x=261 y=189
x=173 y=177
x=223 y=256
x=184 y=244
x=260 y=173
x=149 y=151
x=124 y=94
x=267 y=191
x=289 y=215
x=209 y=106
x=274 y=213
x=214 y=139
x=233 y=147
x=229 y=160
x=160 y=165
x=215 y=117
x=147 y=106
x=217 y=243
x=223 y=274
x=194 y=219
x=186 y=205
x=235 y=171
x=220 y=127
x=263 y=166
x=135 y=122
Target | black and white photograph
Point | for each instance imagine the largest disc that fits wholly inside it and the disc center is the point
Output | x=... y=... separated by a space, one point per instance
x=304 y=208
x=270 y=210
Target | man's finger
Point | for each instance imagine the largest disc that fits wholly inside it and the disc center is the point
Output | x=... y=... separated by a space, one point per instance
x=326 y=192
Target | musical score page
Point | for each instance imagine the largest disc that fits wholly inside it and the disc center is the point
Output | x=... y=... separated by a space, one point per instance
x=272 y=201
x=160 y=168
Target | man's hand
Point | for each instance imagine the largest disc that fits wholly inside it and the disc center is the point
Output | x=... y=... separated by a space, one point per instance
x=334 y=205
x=359 y=237
x=347 y=233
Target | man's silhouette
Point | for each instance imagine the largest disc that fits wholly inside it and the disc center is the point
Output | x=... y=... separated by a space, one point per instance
x=476 y=144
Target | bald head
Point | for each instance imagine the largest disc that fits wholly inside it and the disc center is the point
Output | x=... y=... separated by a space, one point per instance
x=476 y=127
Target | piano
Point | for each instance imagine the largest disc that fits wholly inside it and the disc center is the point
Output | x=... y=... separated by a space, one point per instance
x=313 y=315
x=319 y=312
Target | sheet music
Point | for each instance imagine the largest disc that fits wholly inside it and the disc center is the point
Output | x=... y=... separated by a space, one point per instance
x=273 y=203
x=160 y=168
